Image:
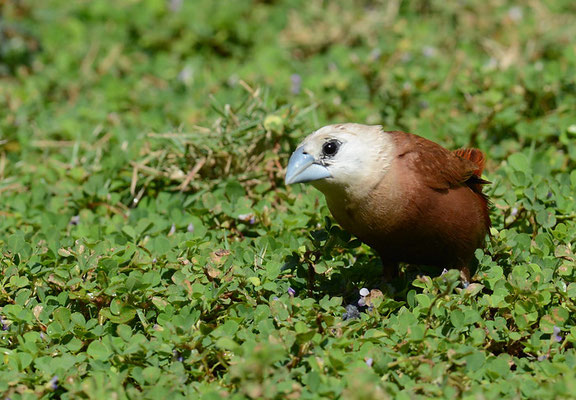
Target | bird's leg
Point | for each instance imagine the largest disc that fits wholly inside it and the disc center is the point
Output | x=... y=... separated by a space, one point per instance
x=390 y=273
x=389 y=270
x=465 y=275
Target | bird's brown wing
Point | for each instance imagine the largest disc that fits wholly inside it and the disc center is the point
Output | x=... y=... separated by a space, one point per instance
x=441 y=169
x=435 y=166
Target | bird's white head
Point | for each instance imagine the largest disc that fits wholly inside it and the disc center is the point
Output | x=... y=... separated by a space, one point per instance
x=344 y=157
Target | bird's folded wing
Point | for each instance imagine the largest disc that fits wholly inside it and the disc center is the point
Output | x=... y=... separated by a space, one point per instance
x=437 y=167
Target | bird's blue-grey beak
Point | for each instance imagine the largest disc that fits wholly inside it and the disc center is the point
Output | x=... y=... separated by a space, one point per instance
x=303 y=168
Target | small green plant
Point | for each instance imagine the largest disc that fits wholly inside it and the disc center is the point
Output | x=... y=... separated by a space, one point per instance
x=148 y=245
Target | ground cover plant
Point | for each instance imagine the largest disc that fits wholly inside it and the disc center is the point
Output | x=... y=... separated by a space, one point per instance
x=148 y=245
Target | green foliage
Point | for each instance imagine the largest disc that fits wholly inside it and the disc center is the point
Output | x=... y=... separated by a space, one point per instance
x=150 y=249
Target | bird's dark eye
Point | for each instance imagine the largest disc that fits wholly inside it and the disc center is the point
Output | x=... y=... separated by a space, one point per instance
x=330 y=148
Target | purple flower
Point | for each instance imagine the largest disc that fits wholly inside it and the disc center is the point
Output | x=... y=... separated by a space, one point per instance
x=275 y=298
x=514 y=212
x=190 y=227
x=296 y=81
x=75 y=220
x=54 y=382
x=363 y=294
x=556 y=334
x=3 y=326
x=250 y=218
x=177 y=355
x=542 y=357
x=369 y=361
x=172 y=230
x=291 y=292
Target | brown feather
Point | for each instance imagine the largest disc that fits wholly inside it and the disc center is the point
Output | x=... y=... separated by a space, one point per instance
x=440 y=168
x=476 y=182
x=474 y=155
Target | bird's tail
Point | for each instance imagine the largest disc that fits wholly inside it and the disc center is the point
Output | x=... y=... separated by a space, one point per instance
x=476 y=182
x=474 y=155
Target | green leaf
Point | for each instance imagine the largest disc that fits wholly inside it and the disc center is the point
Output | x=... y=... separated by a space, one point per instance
x=129 y=231
x=457 y=318
x=151 y=374
x=234 y=190
x=24 y=360
x=118 y=312
x=498 y=367
x=124 y=331
x=98 y=350
x=546 y=218
x=475 y=361
x=519 y=162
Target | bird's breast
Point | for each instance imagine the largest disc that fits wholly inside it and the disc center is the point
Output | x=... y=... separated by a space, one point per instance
x=416 y=224
x=366 y=217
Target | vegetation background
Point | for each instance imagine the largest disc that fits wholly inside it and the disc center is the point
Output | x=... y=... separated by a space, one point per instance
x=149 y=248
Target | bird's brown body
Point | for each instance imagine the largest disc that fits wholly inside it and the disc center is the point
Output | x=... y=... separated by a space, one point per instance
x=426 y=208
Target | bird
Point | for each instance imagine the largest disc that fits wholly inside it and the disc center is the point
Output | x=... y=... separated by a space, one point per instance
x=407 y=197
